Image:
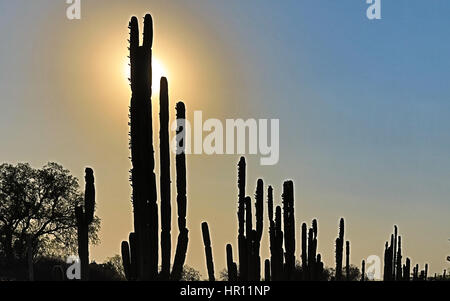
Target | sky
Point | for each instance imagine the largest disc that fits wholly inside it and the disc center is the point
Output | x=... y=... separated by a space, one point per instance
x=363 y=108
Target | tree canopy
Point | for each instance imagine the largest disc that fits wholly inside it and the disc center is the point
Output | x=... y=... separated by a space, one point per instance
x=39 y=205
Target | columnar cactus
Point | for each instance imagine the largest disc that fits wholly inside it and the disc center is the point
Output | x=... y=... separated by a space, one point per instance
x=272 y=234
x=242 y=242
x=339 y=250
x=126 y=260
x=394 y=254
x=407 y=270
x=85 y=217
x=289 y=228
x=142 y=173
x=231 y=265
x=363 y=271
x=277 y=271
x=347 y=260
x=319 y=268
x=183 y=239
x=130 y=258
x=166 y=210
x=208 y=252
x=398 y=265
x=267 y=270
x=304 y=256
x=259 y=206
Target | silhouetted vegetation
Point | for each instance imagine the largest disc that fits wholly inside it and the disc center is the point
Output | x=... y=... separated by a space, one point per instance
x=140 y=254
x=43 y=215
x=85 y=217
x=37 y=214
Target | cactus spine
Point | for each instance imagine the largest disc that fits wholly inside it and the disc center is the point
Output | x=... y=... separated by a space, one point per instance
x=208 y=251
x=85 y=217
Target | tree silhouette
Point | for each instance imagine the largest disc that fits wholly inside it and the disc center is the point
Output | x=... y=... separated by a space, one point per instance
x=39 y=204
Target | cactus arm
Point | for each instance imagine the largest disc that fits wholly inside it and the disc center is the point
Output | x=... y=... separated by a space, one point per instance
x=126 y=260
x=208 y=251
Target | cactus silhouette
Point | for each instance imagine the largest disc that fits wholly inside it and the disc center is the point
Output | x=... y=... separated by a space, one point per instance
x=339 y=250
x=407 y=270
x=394 y=253
x=208 y=251
x=231 y=265
x=281 y=265
x=166 y=213
x=85 y=216
x=289 y=228
x=183 y=238
x=347 y=260
x=140 y=255
x=126 y=260
x=305 y=273
x=242 y=242
x=143 y=180
x=363 y=271
x=398 y=258
x=259 y=206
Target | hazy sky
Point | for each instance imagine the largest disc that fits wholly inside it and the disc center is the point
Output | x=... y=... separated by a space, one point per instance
x=363 y=108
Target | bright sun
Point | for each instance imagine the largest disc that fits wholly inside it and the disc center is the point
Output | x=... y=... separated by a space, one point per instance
x=158 y=72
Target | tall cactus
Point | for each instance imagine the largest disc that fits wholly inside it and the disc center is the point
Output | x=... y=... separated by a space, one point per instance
x=398 y=258
x=231 y=265
x=388 y=251
x=242 y=243
x=289 y=228
x=259 y=212
x=347 y=260
x=407 y=270
x=305 y=273
x=249 y=238
x=166 y=212
x=363 y=271
x=183 y=239
x=277 y=271
x=126 y=260
x=85 y=217
x=394 y=254
x=142 y=154
x=339 y=250
x=272 y=240
x=319 y=268
x=208 y=252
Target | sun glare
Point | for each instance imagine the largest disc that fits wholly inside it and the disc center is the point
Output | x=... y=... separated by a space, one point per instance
x=158 y=71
